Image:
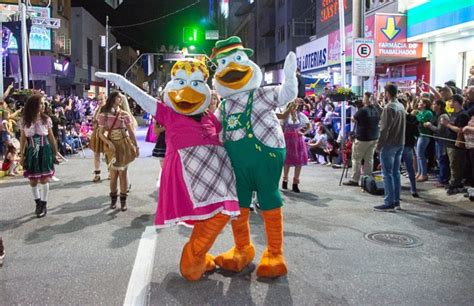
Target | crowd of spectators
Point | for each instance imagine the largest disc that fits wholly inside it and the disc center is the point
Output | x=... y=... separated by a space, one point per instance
x=437 y=133
x=71 y=117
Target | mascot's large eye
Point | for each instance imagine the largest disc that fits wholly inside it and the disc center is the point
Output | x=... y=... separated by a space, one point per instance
x=238 y=58
x=223 y=61
x=181 y=82
x=194 y=83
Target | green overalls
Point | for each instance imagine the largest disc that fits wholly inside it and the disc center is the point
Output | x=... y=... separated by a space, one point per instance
x=257 y=167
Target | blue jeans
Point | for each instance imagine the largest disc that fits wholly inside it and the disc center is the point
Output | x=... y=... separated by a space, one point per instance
x=421 y=146
x=407 y=157
x=443 y=162
x=390 y=157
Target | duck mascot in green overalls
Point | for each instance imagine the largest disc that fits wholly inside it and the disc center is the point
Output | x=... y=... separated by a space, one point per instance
x=255 y=144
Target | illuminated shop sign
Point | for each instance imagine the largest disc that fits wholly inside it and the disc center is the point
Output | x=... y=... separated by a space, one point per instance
x=327 y=15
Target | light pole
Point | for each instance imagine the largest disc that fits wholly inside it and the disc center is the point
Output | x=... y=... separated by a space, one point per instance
x=107 y=50
x=106 y=53
x=24 y=45
x=342 y=33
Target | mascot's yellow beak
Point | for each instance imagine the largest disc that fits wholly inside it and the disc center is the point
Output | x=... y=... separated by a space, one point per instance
x=186 y=100
x=234 y=76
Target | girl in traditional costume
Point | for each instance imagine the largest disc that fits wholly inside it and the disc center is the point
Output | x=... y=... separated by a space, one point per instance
x=38 y=150
x=117 y=132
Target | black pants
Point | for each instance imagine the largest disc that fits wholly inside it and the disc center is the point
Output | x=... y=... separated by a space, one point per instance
x=314 y=151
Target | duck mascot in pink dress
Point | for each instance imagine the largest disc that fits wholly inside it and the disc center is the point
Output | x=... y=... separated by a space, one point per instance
x=255 y=144
x=198 y=182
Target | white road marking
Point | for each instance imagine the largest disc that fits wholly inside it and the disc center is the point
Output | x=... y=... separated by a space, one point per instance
x=139 y=283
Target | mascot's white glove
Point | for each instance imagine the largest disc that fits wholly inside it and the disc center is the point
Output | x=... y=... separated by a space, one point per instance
x=147 y=102
x=289 y=88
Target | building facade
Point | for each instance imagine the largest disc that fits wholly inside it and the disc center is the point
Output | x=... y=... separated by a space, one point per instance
x=272 y=28
x=88 y=55
x=397 y=60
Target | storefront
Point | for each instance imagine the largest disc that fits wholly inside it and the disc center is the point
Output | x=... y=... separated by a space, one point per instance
x=81 y=82
x=65 y=72
x=397 y=60
x=447 y=27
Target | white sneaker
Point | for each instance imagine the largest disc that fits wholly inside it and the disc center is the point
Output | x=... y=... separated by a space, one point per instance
x=55 y=179
x=2 y=257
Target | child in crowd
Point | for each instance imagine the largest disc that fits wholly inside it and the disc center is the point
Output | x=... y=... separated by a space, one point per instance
x=10 y=162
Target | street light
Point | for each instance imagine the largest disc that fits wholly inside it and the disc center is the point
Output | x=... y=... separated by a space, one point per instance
x=116 y=45
x=107 y=50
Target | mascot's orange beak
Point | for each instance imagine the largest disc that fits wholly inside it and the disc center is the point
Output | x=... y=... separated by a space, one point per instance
x=234 y=76
x=186 y=100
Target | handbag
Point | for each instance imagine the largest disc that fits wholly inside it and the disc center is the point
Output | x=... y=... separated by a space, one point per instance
x=460 y=141
x=106 y=149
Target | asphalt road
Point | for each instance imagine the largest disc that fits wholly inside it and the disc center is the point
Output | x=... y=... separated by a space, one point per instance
x=83 y=253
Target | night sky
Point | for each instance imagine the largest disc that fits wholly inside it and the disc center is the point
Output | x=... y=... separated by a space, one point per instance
x=149 y=37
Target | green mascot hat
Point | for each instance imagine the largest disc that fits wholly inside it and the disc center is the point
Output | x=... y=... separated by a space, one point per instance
x=228 y=46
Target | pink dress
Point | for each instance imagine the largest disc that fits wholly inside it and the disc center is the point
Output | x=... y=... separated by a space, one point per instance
x=197 y=180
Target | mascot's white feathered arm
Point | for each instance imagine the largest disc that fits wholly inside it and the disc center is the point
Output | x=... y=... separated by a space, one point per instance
x=289 y=88
x=147 y=102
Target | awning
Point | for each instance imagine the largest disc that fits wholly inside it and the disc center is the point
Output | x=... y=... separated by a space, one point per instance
x=97 y=83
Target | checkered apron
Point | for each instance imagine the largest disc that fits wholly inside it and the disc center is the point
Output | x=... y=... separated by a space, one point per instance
x=208 y=174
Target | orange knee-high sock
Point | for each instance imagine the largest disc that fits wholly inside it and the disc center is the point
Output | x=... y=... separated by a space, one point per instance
x=273 y=263
x=193 y=259
x=239 y=256
x=241 y=229
x=273 y=220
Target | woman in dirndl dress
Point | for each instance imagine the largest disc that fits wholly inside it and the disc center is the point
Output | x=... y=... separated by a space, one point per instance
x=117 y=132
x=96 y=144
x=294 y=129
x=38 y=150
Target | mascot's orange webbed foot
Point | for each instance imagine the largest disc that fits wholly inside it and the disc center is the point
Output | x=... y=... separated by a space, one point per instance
x=192 y=267
x=236 y=259
x=242 y=254
x=271 y=265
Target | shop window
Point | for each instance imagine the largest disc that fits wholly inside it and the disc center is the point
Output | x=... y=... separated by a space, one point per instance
x=111 y=62
x=281 y=3
x=467 y=63
x=119 y=66
x=61 y=7
x=101 y=58
x=374 y=4
x=281 y=34
x=90 y=54
x=302 y=28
